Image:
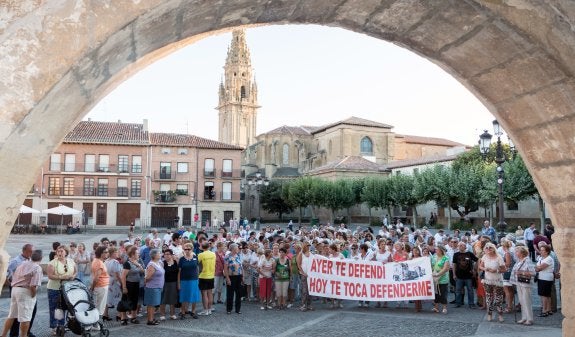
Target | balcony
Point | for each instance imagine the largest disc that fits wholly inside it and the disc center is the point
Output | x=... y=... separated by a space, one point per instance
x=223 y=196
x=96 y=192
x=233 y=174
x=209 y=173
x=92 y=168
x=165 y=196
x=164 y=175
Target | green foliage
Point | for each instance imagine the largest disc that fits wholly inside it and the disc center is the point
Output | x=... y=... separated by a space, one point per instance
x=518 y=184
x=434 y=184
x=272 y=199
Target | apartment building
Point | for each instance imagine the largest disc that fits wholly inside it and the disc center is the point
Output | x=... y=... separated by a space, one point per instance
x=120 y=173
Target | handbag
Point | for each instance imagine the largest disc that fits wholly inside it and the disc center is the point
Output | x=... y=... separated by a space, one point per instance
x=124 y=305
x=523 y=279
x=536 y=278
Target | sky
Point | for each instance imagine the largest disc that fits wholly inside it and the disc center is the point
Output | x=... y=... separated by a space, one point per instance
x=306 y=75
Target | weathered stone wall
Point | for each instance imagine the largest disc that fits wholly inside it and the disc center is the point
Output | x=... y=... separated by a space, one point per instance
x=59 y=57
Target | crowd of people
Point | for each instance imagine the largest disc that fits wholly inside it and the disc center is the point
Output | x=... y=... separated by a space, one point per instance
x=185 y=273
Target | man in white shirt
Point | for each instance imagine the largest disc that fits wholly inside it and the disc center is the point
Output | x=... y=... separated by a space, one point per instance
x=528 y=237
x=439 y=237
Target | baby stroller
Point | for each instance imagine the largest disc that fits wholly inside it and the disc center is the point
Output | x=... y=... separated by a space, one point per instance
x=82 y=314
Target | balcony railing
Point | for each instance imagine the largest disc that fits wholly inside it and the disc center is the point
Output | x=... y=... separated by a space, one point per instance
x=222 y=196
x=164 y=175
x=94 y=168
x=96 y=191
x=165 y=197
x=233 y=174
x=210 y=173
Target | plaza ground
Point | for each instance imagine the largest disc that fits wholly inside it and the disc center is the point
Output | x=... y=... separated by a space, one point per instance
x=349 y=321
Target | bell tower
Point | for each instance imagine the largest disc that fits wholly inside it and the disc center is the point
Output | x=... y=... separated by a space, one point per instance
x=238 y=95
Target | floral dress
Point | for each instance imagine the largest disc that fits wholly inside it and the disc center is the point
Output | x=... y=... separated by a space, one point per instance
x=115 y=285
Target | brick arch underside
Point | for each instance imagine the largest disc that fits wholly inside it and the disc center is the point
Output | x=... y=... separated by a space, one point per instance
x=65 y=57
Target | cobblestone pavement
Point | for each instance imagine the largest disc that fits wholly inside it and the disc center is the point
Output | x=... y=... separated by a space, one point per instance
x=349 y=321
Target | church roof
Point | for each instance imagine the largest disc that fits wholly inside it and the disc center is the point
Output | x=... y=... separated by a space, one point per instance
x=356 y=121
x=428 y=140
x=349 y=163
x=89 y=132
x=286 y=172
x=174 y=139
x=289 y=130
x=421 y=161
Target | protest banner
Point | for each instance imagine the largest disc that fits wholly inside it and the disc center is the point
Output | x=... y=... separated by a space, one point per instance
x=371 y=280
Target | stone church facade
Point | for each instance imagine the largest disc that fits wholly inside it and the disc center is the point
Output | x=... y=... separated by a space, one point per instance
x=350 y=147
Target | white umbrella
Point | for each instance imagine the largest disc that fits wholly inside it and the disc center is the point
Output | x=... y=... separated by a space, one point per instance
x=26 y=210
x=62 y=210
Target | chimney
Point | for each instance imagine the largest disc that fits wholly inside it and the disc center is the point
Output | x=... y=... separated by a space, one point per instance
x=119 y=121
x=145 y=123
x=89 y=119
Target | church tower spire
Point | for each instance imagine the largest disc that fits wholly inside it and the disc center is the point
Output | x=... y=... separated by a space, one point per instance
x=238 y=95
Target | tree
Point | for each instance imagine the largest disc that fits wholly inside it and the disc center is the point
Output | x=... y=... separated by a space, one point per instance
x=402 y=193
x=298 y=194
x=272 y=200
x=434 y=184
x=376 y=194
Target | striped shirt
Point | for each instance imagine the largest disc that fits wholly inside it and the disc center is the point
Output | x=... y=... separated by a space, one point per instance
x=27 y=275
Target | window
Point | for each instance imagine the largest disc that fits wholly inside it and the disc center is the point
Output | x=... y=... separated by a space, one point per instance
x=54 y=186
x=209 y=168
x=366 y=146
x=182 y=151
x=226 y=191
x=90 y=163
x=122 y=187
x=164 y=187
x=512 y=205
x=209 y=192
x=104 y=163
x=182 y=167
x=136 y=190
x=123 y=164
x=227 y=168
x=88 y=189
x=55 y=160
x=165 y=170
x=285 y=155
x=166 y=150
x=136 y=164
x=70 y=162
x=182 y=189
x=68 y=186
x=243 y=92
x=103 y=187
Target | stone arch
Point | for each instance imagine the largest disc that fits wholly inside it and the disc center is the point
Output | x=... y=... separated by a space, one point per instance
x=61 y=57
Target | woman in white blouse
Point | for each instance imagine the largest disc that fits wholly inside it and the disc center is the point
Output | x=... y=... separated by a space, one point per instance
x=545 y=267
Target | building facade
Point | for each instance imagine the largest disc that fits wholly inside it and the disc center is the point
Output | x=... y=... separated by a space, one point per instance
x=120 y=174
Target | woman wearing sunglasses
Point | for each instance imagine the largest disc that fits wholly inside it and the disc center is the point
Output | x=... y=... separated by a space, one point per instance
x=59 y=269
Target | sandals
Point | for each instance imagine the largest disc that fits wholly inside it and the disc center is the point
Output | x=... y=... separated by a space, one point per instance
x=124 y=322
x=134 y=321
x=489 y=317
x=435 y=310
x=500 y=318
x=154 y=322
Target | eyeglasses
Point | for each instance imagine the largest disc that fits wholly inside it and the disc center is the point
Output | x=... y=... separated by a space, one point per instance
x=65 y=268
x=187 y=248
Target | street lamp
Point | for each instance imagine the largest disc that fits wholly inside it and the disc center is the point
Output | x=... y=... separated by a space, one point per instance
x=257 y=181
x=484 y=147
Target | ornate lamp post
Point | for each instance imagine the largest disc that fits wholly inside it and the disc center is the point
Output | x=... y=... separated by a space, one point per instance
x=500 y=158
x=257 y=181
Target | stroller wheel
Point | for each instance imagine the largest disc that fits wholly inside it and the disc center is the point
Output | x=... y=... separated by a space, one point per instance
x=60 y=331
x=105 y=333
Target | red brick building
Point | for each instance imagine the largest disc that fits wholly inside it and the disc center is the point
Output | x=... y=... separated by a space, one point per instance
x=120 y=173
